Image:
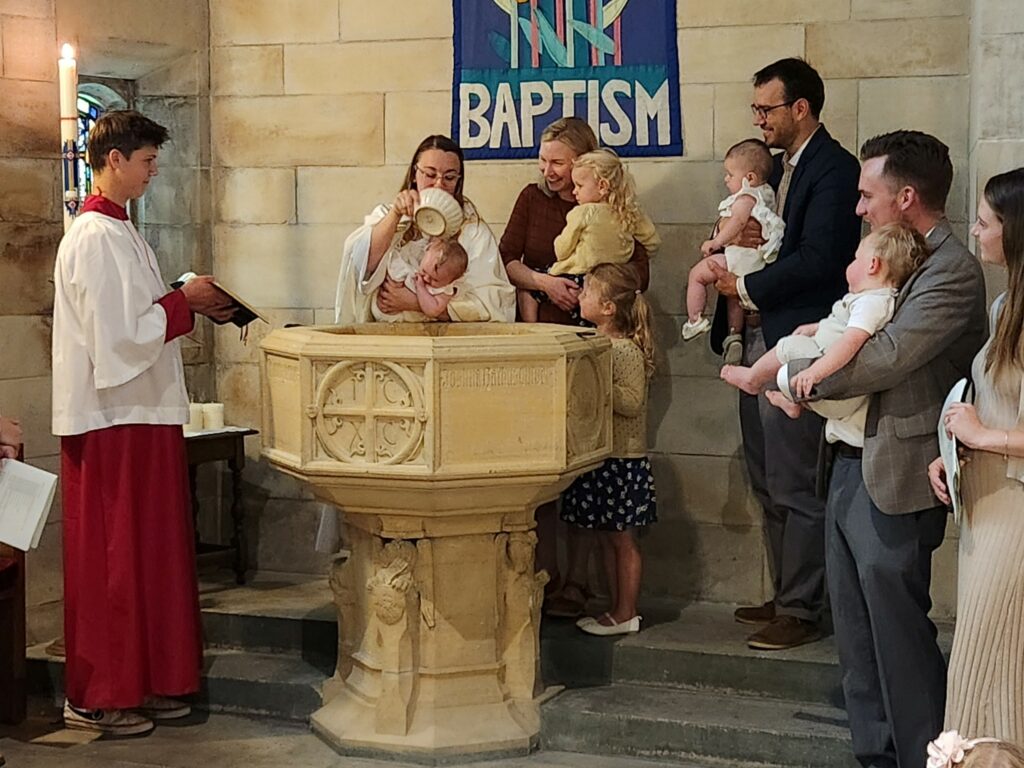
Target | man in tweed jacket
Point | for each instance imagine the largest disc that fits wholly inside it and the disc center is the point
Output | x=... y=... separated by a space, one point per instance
x=882 y=521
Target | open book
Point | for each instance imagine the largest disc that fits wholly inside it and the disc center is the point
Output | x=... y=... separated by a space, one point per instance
x=244 y=313
x=26 y=493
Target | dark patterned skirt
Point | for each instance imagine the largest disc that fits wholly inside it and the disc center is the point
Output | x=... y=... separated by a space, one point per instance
x=574 y=314
x=617 y=495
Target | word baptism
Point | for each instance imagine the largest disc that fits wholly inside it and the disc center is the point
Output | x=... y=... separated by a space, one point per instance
x=621 y=112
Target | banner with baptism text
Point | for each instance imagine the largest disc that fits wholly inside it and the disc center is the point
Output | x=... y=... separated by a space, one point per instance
x=521 y=65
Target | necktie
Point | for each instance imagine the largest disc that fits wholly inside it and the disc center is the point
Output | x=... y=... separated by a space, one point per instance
x=780 y=196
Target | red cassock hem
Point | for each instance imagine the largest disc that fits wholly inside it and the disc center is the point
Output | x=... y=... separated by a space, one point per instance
x=131 y=603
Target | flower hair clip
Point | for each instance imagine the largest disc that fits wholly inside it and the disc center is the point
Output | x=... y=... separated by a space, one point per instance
x=950 y=748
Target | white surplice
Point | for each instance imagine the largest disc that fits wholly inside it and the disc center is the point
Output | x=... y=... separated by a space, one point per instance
x=111 y=364
x=488 y=296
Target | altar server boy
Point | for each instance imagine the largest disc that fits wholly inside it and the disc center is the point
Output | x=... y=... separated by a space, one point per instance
x=131 y=611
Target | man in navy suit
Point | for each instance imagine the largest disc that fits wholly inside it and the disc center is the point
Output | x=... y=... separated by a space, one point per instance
x=816 y=188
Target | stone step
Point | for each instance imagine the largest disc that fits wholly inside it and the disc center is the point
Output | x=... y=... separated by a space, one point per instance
x=314 y=640
x=282 y=686
x=698 y=646
x=702 y=646
x=272 y=613
x=669 y=723
x=268 y=685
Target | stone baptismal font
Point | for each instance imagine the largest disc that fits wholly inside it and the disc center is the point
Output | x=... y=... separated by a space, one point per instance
x=437 y=441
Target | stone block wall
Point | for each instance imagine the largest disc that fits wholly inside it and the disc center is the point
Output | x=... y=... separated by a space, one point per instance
x=151 y=47
x=291 y=120
x=30 y=228
x=315 y=112
x=175 y=214
x=997 y=102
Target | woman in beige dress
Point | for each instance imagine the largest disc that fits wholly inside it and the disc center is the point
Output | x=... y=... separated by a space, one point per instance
x=985 y=694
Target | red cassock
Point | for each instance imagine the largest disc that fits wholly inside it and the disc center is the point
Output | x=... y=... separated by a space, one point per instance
x=131 y=609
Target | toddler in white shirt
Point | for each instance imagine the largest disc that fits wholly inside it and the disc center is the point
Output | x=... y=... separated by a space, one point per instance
x=885 y=260
x=748 y=165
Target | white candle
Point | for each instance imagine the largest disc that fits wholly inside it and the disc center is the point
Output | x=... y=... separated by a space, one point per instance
x=68 y=74
x=68 y=68
x=213 y=415
x=195 y=417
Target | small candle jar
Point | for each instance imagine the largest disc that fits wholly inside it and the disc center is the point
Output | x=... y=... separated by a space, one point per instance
x=195 y=418
x=213 y=416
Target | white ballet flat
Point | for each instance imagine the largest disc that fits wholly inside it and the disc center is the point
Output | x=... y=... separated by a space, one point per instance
x=692 y=330
x=622 y=628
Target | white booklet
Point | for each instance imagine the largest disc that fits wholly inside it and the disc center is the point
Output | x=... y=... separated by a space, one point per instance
x=26 y=493
x=948 y=448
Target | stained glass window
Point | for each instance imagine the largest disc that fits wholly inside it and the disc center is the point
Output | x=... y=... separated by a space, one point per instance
x=89 y=110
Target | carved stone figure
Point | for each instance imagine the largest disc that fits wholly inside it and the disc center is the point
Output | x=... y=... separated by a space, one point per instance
x=520 y=600
x=394 y=625
x=344 y=589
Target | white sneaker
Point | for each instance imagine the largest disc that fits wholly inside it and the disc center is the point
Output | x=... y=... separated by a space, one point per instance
x=691 y=330
x=163 y=708
x=116 y=722
x=623 y=628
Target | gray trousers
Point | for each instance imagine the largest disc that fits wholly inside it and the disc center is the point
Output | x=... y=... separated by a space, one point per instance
x=782 y=462
x=879 y=575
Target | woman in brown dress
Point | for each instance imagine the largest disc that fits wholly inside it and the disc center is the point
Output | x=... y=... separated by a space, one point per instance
x=527 y=249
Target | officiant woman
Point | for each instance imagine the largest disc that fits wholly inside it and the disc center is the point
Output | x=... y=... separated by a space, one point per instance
x=388 y=230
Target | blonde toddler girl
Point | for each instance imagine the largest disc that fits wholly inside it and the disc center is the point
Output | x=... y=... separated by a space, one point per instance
x=601 y=229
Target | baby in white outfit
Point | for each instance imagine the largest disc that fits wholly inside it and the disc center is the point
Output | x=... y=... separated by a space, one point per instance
x=748 y=165
x=885 y=260
x=435 y=277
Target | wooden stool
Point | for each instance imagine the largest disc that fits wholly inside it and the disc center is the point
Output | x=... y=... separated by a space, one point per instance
x=229 y=447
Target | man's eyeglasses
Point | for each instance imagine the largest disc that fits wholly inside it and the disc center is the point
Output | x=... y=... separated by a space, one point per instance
x=432 y=175
x=762 y=112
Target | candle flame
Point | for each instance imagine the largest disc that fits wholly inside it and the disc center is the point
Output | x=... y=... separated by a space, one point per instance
x=67 y=51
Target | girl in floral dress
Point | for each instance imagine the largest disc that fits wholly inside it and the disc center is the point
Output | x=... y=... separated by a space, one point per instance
x=617 y=498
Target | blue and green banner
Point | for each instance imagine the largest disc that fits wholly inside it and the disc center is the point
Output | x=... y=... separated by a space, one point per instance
x=520 y=65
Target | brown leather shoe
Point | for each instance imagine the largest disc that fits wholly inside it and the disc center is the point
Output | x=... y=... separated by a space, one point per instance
x=755 y=614
x=784 y=632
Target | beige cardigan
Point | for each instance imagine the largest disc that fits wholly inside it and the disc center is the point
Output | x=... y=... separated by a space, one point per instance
x=629 y=401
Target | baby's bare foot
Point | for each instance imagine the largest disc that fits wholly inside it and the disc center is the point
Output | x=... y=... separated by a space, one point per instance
x=779 y=400
x=741 y=377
